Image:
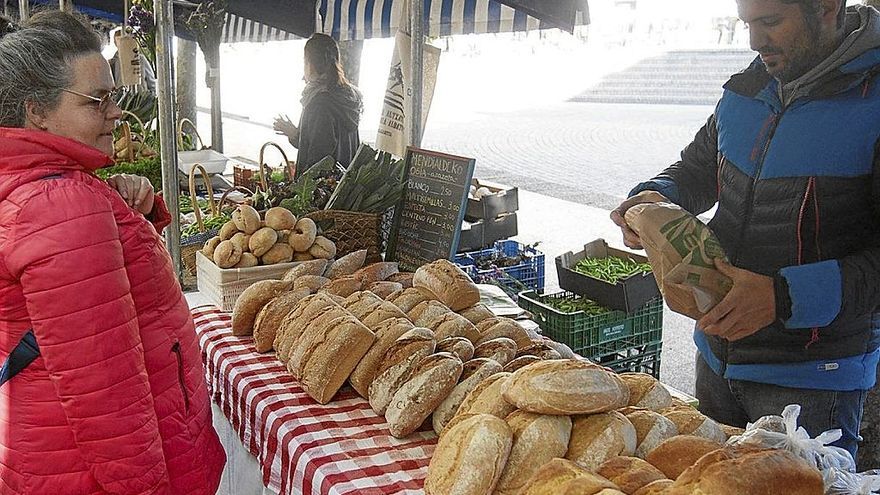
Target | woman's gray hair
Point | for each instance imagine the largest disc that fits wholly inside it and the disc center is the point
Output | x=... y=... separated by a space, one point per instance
x=35 y=62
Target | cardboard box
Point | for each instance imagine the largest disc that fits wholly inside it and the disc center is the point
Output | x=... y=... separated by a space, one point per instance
x=483 y=233
x=627 y=295
x=504 y=199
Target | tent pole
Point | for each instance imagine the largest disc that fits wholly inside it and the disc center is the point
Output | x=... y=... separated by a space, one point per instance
x=167 y=125
x=24 y=10
x=417 y=70
x=65 y=5
x=216 y=105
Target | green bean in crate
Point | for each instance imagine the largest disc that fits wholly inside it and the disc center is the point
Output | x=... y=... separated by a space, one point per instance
x=611 y=269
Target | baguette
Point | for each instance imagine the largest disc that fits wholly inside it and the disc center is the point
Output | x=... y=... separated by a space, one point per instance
x=652 y=429
x=429 y=383
x=537 y=439
x=473 y=372
x=552 y=478
x=565 y=386
x=459 y=346
x=452 y=325
x=492 y=328
x=270 y=318
x=646 y=391
x=448 y=283
x=502 y=350
x=598 y=437
x=251 y=301
x=366 y=370
x=406 y=352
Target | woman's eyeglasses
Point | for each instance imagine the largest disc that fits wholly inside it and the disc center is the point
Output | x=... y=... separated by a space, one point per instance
x=103 y=102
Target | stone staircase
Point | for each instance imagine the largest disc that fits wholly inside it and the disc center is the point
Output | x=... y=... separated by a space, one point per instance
x=690 y=77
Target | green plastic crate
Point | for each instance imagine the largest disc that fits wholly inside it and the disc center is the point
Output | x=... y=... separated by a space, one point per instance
x=617 y=340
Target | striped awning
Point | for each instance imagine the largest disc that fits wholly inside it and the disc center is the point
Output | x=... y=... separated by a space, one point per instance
x=365 y=19
x=242 y=30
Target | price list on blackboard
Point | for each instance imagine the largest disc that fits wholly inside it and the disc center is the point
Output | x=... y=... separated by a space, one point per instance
x=427 y=222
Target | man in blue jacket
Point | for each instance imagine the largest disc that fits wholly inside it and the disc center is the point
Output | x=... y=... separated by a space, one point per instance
x=790 y=156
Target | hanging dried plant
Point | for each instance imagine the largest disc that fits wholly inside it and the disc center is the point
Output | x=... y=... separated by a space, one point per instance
x=206 y=23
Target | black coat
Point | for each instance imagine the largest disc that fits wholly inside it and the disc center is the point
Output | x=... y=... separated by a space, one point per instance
x=329 y=126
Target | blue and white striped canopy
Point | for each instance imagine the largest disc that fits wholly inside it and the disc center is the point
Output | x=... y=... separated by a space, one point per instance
x=365 y=19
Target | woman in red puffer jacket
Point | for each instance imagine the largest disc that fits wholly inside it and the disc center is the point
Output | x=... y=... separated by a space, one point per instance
x=117 y=401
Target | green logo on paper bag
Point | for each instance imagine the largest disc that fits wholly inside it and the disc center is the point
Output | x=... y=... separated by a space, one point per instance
x=686 y=236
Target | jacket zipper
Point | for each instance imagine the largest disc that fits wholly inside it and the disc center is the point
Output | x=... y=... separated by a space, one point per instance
x=176 y=349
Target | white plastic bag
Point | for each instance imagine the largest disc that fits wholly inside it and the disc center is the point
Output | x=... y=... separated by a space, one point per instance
x=839 y=482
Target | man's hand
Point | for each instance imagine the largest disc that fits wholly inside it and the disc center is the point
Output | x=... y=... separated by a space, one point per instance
x=630 y=238
x=748 y=307
x=135 y=190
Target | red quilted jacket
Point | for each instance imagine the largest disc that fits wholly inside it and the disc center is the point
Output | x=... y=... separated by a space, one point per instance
x=117 y=403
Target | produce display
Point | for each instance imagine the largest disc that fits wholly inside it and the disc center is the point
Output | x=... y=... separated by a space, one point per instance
x=611 y=269
x=373 y=183
x=247 y=240
x=309 y=192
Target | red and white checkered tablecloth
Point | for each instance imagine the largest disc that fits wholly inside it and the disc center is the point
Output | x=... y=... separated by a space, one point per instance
x=302 y=446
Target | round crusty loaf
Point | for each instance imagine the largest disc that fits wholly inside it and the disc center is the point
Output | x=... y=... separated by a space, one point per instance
x=542 y=350
x=521 y=362
x=500 y=349
x=459 y=346
x=408 y=299
x=448 y=283
x=492 y=328
x=599 y=437
x=473 y=373
x=470 y=458
x=362 y=303
x=452 y=325
x=680 y=452
x=427 y=311
x=366 y=370
x=407 y=351
x=654 y=488
x=629 y=473
x=690 y=421
x=428 y=384
x=269 y=318
x=652 y=429
x=384 y=311
x=252 y=300
x=738 y=470
x=646 y=391
x=537 y=439
x=552 y=478
x=313 y=267
x=477 y=313
x=565 y=386
x=347 y=264
x=486 y=398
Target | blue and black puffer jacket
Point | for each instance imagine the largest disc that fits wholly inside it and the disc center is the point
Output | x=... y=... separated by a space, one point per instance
x=798 y=194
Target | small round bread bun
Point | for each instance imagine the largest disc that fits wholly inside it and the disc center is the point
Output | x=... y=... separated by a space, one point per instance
x=303 y=235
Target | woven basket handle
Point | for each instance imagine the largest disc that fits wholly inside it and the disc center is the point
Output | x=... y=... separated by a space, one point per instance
x=224 y=198
x=195 y=199
x=288 y=173
x=180 y=133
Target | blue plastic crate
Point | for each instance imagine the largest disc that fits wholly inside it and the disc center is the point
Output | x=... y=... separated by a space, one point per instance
x=528 y=275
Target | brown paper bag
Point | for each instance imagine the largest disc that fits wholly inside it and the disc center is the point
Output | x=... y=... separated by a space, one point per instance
x=681 y=250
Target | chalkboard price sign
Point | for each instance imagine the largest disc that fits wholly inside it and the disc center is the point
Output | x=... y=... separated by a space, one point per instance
x=427 y=222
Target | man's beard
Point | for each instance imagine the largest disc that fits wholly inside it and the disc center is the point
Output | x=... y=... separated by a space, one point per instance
x=806 y=55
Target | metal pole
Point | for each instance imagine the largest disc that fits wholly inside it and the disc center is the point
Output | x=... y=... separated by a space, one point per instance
x=24 y=10
x=417 y=70
x=216 y=106
x=167 y=125
x=65 y=5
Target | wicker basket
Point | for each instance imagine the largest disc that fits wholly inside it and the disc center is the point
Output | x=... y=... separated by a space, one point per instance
x=222 y=287
x=351 y=231
x=190 y=245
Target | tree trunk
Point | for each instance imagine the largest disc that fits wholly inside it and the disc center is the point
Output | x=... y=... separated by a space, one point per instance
x=350 y=56
x=187 y=79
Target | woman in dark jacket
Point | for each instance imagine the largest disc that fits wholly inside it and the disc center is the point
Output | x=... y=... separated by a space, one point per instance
x=332 y=109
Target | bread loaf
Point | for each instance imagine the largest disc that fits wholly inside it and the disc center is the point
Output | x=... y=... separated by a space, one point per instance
x=406 y=352
x=384 y=311
x=305 y=312
x=680 y=452
x=652 y=429
x=362 y=303
x=520 y=362
x=477 y=313
x=310 y=282
x=537 y=439
x=470 y=457
x=428 y=384
x=486 y=398
x=313 y=333
x=565 y=386
x=366 y=370
x=453 y=325
x=564 y=351
x=343 y=286
x=501 y=349
x=425 y=312
x=473 y=373
x=598 y=437
x=313 y=267
x=552 y=478
x=347 y=264
x=689 y=421
x=731 y=431
x=459 y=346
x=282 y=342
x=251 y=301
x=739 y=470
x=408 y=299
x=403 y=278
x=376 y=272
x=492 y=328
x=629 y=473
x=269 y=318
x=646 y=391
x=384 y=288
x=329 y=362
x=541 y=350
x=654 y=488
x=448 y=284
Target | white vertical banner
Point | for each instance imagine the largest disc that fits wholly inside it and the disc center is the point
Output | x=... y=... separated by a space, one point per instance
x=394 y=120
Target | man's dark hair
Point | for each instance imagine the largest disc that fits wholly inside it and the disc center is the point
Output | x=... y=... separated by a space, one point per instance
x=811 y=9
x=7 y=26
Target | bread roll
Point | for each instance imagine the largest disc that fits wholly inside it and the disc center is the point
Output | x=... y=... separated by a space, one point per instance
x=689 y=421
x=384 y=311
x=366 y=370
x=313 y=267
x=652 y=429
x=347 y=264
x=384 y=288
x=459 y=346
x=599 y=437
x=453 y=325
x=448 y=283
x=739 y=470
x=310 y=282
x=408 y=299
x=680 y=452
x=328 y=362
x=425 y=312
x=403 y=278
x=654 y=488
x=537 y=439
x=492 y=328
x=297 y=321
x=429 y=383
x=521 y=362
x=251 y=301
x=565 y=386
x=376 y=272
x=629 y=473
x=486 y=398
x=469 y=459
x=501 y=349
x=477 y=313
x=552 y=478
x=645 y=391
x=406 y=352
x=269 y=318
x=477 y=371
x=362 y=303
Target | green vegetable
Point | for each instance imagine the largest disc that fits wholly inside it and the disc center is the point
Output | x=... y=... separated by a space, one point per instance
x=574 y=304
x=373 y=183
x=611 y=269
x=151 y=168
x=211 y=223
